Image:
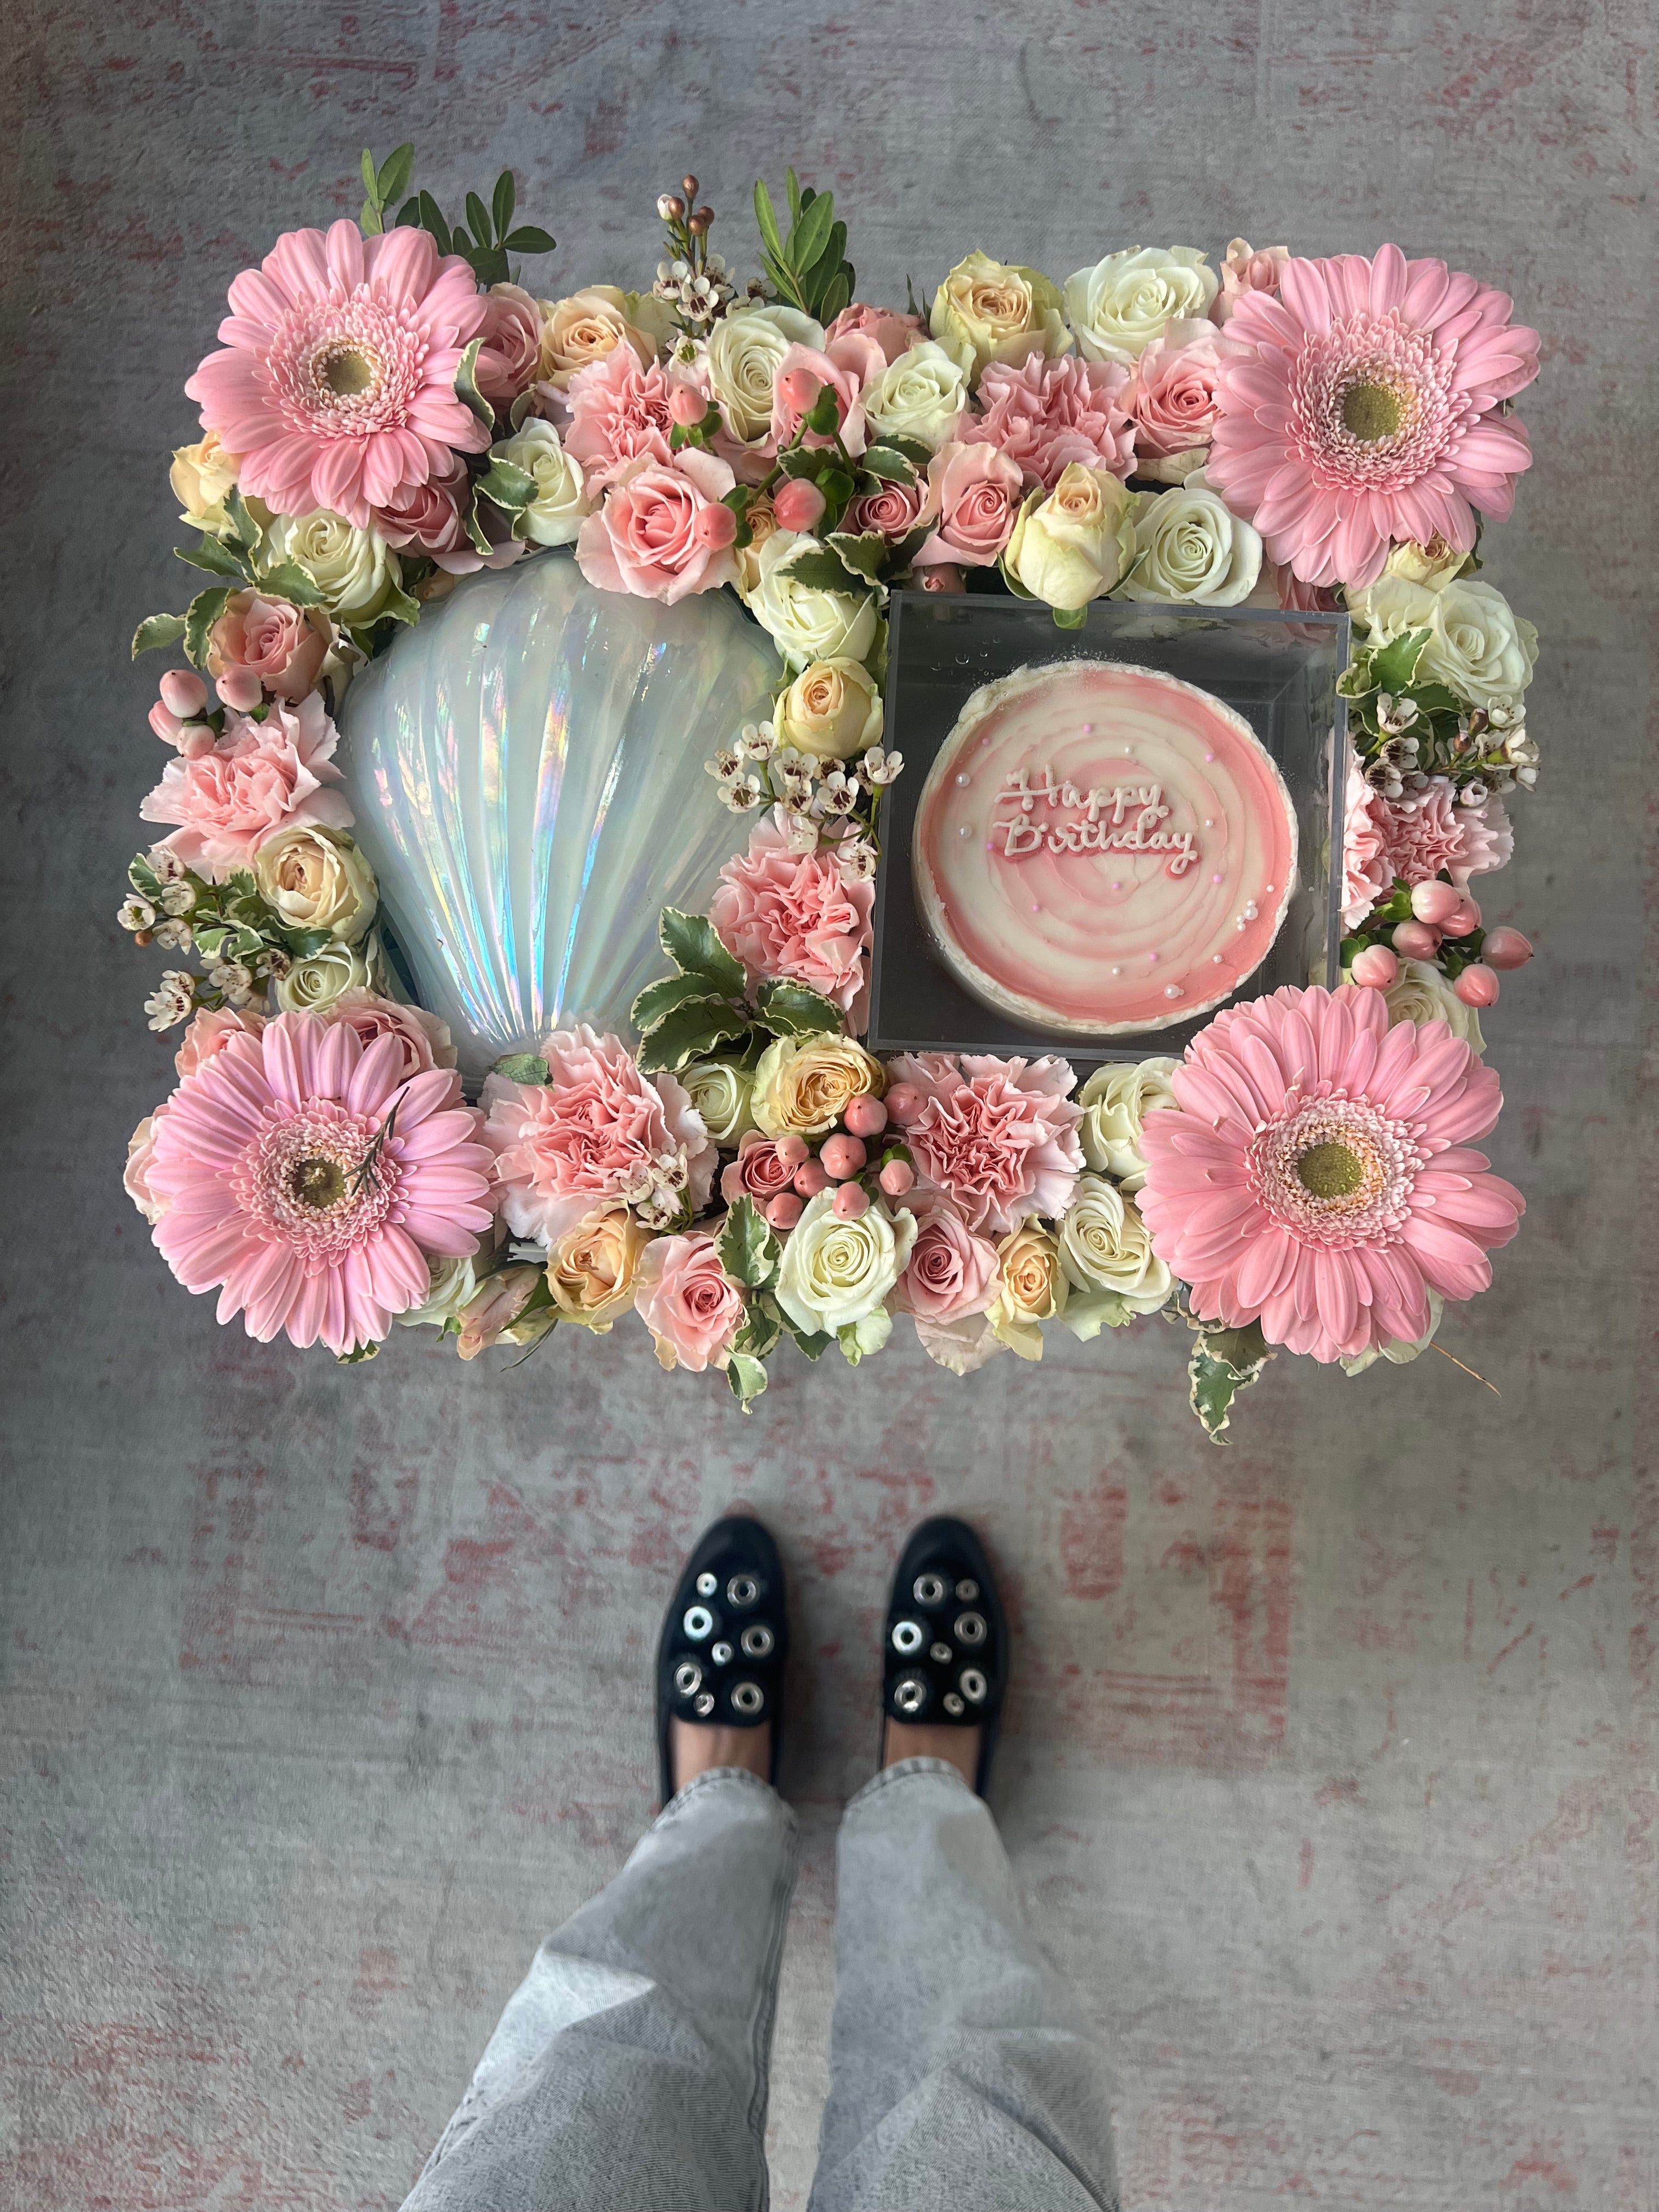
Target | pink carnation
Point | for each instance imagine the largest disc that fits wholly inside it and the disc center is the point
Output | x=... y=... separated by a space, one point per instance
x=1046 y=414
x=1172 y=395
x=258 y=778
x=619 y=411
x=951 y=1273
x=997 y=1136
x=758 y=1171
x=511 y=352
x=846 y=365
x=596 y=1129
x=1317 y=1178
x=688 y=1301
x=894 y=333
x=210 y=1031
x=800 y=915
x=973 y=496
x=1428 y=832
x=662 y=532
x=1367 y=874
x=423 y=1040
x=338 y=386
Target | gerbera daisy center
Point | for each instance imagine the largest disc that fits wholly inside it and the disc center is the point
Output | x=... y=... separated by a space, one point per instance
x=1371 y=411
x=1331 y=1170
x=1334 y=1171
x=318 y=1181
x=347 y=371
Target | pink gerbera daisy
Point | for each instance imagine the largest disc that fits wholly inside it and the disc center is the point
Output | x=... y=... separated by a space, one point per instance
x=1317 y=1177
x=337 y=383
x=1360 y=406
x=312 y=1178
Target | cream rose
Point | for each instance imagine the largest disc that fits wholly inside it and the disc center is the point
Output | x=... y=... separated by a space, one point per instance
x=202 y=476
x=311 y=986
x=1106 y=1251
x=1033 y=1289
x=988 y=311
x=592 y=1269
x=317 y=880
x=583 y=328
x=720 y=1093
x=1420 y=993
x=805 y=623
x=355 y=570
x=1119 y=307
x=1116 y=1101
x=559 y=500
x=836 y=1273
x=1433 y=565
x=802 y=1085
x=744 y=352
x=832 y=710
x=1478 y=645
x=1191 y=548
x=1068 y=548
x=918 y=396
x=455 y=1283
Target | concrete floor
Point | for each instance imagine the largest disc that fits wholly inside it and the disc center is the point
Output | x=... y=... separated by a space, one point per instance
x=1331 y=1769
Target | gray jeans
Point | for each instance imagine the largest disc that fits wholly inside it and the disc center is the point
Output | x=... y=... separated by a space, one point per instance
x=628 y=2071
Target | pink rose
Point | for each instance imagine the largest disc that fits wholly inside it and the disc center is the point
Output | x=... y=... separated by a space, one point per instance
x=493 y=1309
x=424 y=1040
x=688 y=1302
x=135 y=1180
x=951 y=1273
x=281 y=646
x=894 y=510
x=803 y=915
x=662 y=532
x=620 y=411
x=964 y=1346
x=1245 y=270
x=845 y=367
x=1173 y=394
x=998 y=1136
x=894 y=333
x=511 y=352
x=1046 y=414
x=973 y=496
x=596 y=1129
x=757 y=1172
x=258 y=778
x=429 y=517
x=210 y=1031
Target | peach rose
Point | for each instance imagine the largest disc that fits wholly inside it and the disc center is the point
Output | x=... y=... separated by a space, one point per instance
x=283 y=646
x=592 y=1268
x=583 y=328
x=894 y=333
x=210 y=1032
x=688 y=1303
x=1245 y=271
x=973 y=496
x=663 y=533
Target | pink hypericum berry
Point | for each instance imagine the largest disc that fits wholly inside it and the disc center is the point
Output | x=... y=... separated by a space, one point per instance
x=183 y=693
x=1417 y=940
x=715 y=526
x=1506 y=948
x=1477 y=986
x=687 y=404
x=897 y=1178
x=1465 y=921
x=904 y=1102
x=799 y=388
x=811 y=1179
x=842 y=1157
x=239 y=688
x=792 y=1151
x=1375 y=969
x=850 y=1202
x=866 y=1117
x=1435 y=902
x=797 y=503
x=783 y=1212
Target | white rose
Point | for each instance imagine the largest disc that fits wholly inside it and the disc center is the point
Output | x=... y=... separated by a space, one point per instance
x=1478 y=645
x=317 y=880
x=831 y=710
x=720 y=1094
x=836 y=1273
x=311 y=986
x=454 y=1283
x=1107 y=1253
x=1399 y=1353
x=1116 y=1101
x=1421 y=993
x=1192 y=548
x=355 y=570
x=744 y=355
x=1434 y=564
x=807 y=624
x=559 y=502
x=1120 y=306
x=918 y=395
x=1071 y=546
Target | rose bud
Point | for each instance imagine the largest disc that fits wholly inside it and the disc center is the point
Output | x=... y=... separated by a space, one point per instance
x=897 y=1178
x=942 y=576
x=687 y=404
x=850 y=1202
x=183 y=693
x=797 y=503
x=799 y=388
x=1435 y=902
x=1465 y=921
x=866 y=1117
x=1506 y=948
x=1375 y=969
x=1417 y=940
x=1477 y=986
x=792 y=1150
x=811 y=1179
x=842 y=1157
x=715 y=526
x=783 y=1212
x=239 y=688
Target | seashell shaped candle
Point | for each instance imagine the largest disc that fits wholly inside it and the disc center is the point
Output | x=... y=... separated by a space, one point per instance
x=526 y=769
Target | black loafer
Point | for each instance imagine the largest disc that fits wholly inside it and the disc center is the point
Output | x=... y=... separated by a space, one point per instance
x=946 y=1652
x=724 y=1639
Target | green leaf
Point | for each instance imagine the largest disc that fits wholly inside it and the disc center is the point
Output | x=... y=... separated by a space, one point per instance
x=692 y=943
x=156 y=630
x=205 y=609
x=529 y=237
x=409 y=215
x=748 y=1250
x=794 y=1009
x=503 y=201
x=796 y=203
x=912 y=449
x=244 y=530
x=863 y=554
x=478 y=216
x=522 y=1068
x=766 y=220
x=690 y=1032
x=814 y=1342
x=218 y=560
x=825 y=572
x=304 y=944
x=432 y=218
x=401 y=607
x=822 y=417
x=1068 y=618
x=747 y=1376
x=474 y=529
x=1435 y=699
x=837 y=294
x=660 y=999
x=367 y=166
x=1223 y=1362
x=760 y=1328
x=466 y=389
x=1396 y=664
x=287 y=580
x=357 y=1359
x=507 y=485
x=394 y=175
x=810 y=233
x=887 y=462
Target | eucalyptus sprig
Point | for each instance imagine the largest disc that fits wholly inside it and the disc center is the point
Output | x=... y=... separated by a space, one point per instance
x=491 y=236
x=808 y=269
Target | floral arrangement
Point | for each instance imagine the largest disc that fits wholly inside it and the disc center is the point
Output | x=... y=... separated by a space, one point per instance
x=391 y=408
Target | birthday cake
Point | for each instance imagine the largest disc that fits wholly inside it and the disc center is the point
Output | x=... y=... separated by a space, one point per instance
x=1101 y=849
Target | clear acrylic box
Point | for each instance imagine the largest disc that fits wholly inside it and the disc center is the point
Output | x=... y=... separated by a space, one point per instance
x=1279 y=671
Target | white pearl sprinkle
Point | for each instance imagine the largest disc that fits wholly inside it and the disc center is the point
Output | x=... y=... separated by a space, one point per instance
x=1215 y=957
x=1215 y=879
x=1172 y=990
x=1209 y=819
x=1117 y=971
x=967 y=830
x=963 y=781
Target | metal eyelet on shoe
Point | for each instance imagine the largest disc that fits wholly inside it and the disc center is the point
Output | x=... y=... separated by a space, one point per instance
x=973 y=1685
x=698 y=1624
x=707 y=1584
x=907 y=1637
x=721 y=1654
x=703 y=1704
x=970 y=1628
x=967 y=1590
x=929 y=1591
x=756 y=1640
x=941 y=1653
x=747 y=1699
x=688 y=1678
x=742 y=1591
x=909 y=1693
x=953 y=1705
